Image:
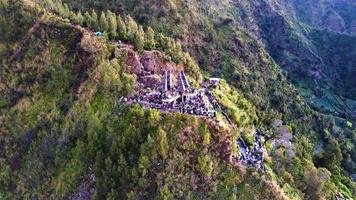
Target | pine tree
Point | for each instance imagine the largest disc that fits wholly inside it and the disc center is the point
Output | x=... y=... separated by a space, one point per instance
x=50 y=4
x=163 y=143
x=132 y=28
x=150 y=39
x=87 y=19
x=94 y=20
x=112 y=24
x=73 y=17
x=131 y=195
x=177 y=52
x=121 y=28
x=80 y=18
x=163 y=42
x=139 y=39
x=204 y=132
x=205 y=165
x=206 y=138
x=59 y=8
x=141 y=32
x=103 y=23
x=66 y=10
x=332 y=156
x=113 y=195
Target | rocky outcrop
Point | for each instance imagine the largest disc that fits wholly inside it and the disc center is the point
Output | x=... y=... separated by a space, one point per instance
x=133 y=64
x=151 y=80
x=152 y=61
x=155 y=62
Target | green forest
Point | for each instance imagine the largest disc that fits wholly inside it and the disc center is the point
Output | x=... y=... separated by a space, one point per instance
x=64 y=132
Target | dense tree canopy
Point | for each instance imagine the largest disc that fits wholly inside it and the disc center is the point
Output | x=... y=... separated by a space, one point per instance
x=63 y=124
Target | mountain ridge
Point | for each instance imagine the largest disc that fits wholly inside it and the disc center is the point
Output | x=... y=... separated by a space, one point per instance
x=68 y=125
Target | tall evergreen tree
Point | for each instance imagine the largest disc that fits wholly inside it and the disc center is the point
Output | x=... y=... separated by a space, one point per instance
x=139 y=39
x=150 y=39
x=59 y=8
x=121 y=28
x=177 y=52
x=66 y=10
x=80 y=18
x=103 y=23
x=332 y=155
x=50 y=4
x=163 y=42
x=87 y=19
x=163 y=143
x=141 y=32
x=112 y=24
x=94 y=20
x=132 y=28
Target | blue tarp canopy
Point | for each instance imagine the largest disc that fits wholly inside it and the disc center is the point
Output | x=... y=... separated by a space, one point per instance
x=99 y=34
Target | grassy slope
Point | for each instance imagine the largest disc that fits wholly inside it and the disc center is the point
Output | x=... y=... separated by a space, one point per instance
x=64 y=125
x=58 y=128
x=224 y=49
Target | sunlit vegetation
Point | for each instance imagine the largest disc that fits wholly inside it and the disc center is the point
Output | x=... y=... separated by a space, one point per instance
x=240 y=109
x=61 y=122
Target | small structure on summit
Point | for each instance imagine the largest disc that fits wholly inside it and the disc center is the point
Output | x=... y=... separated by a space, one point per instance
x=99 y=33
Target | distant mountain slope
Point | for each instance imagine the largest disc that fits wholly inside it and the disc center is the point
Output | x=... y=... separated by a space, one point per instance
x=317 y=61
x=335 y=15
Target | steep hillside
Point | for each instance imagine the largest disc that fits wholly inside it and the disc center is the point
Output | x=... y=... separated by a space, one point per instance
x=220 y=48
x=66 y=134
x=233 y=39
x=206 y=28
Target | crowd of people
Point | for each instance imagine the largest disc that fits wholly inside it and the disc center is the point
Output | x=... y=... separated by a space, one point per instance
x=173 y=93
x=174 y=96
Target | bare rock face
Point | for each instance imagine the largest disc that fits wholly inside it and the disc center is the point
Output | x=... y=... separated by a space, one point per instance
x=155 y=62
x=152 y=61
x=133 y=64
x=151 y=80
